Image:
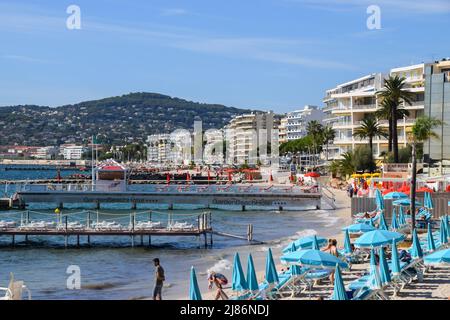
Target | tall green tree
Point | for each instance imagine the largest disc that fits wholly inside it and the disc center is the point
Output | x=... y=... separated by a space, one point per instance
x=395 y=93
x=369 y=129
x=328 y=136
x=315 y=130
x=421 y=131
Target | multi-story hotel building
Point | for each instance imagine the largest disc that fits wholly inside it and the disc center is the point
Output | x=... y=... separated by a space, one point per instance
x=282 y=133
x=297 y=121
x=248 y=136
x=349 y=103
x=437 y=105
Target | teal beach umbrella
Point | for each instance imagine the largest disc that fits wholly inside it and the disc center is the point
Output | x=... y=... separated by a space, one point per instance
x=395 y=264
x=416 y=250
x=315 y=244
x=376 y=238
x=431 y=246
x=238 y=279
x=271 y=271
x=313 y=258
x=438 y=257
x=405 y=202
x=347 y=243
x=383 y=225
x=394 y=222
x=307 y=242
x=401 y=217
x=359 y=228
x=374 y=281
x=395 y=195
x=443 y=232
x=290 y=248
x=379 y=199
x=194 y=291
x=296 y=270
x=252 y=281
x=385 y=274
x=339 y=292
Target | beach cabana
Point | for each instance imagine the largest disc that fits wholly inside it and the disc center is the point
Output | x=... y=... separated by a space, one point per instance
x=238 y=279
x=377 y=238
x=339 y=292
x=194 y=291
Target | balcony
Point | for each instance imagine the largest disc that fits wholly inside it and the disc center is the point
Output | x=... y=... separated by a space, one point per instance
x=364 y=106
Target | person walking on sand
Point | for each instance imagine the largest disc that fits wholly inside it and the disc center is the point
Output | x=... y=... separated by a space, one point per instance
x=219 y=280
x=159 y=280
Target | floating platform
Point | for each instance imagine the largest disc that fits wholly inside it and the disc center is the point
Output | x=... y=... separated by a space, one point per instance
x=270 y=196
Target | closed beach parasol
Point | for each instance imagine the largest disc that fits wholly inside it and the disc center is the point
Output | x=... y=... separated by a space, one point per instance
x=416 y=250
x=339 y=292
x=378 y=238
x=238 y=279
x=379 y=199
x=383 y=225
x=395 y=262
x=347 y=243
x=394 y=222
x=290 y=248
x=385 y=274
x=194 y=291
x=271 y=271
x=252 y=281
x=431 y=246
x=315 y=244
x=443 y=232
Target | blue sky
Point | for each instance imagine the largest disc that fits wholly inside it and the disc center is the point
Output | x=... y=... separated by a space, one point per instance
x=265 y=54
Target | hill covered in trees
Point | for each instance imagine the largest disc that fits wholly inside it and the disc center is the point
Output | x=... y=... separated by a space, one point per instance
x=117 y=120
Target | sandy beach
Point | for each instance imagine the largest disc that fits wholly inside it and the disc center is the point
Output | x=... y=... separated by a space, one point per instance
x=436 y=283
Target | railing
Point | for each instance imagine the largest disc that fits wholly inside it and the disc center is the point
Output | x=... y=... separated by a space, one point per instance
x=172 y=189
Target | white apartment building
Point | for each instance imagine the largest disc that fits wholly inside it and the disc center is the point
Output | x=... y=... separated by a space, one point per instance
x=71 y=151
x=45 y=153
x=297 y=121
x=282 y=133
x=349 y=103
x=245 y=133
x=158 y=148
x=213 y=152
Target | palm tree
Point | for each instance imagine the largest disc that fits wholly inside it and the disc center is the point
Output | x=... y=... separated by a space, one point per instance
x=421 y=131
x=369 y=129
x=328 y=135
x=346 y=165
x=395 y=93
x=385 y=112
x=314 y=130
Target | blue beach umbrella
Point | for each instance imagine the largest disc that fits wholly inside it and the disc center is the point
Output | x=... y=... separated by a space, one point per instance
x=416 y=250
x=430 y=201
x=252 y=281
x=307 y=242
x=314 y=258
x=371 y=223
x=383 y=224
x=339 y=292
x=395 y=264
x=359 y=228
x=271 y=271
x=194 y=291
x=379 y=199
x=438 y=257
x=401 y=217
x=374 y=281
x=385 y=274
x=431 y=246
x=378 y=238
x=296 y=270
x=394 y=222
x=238 y=279
x=315 y=244
x=443 y=232
x=395 y=195
x=347 y=243
x=405 y=202
x=290 y=248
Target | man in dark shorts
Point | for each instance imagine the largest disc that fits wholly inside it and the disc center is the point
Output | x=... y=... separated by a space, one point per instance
x=159 y=280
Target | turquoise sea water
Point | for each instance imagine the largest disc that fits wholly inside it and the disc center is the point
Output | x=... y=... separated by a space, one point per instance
x=112 y=269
